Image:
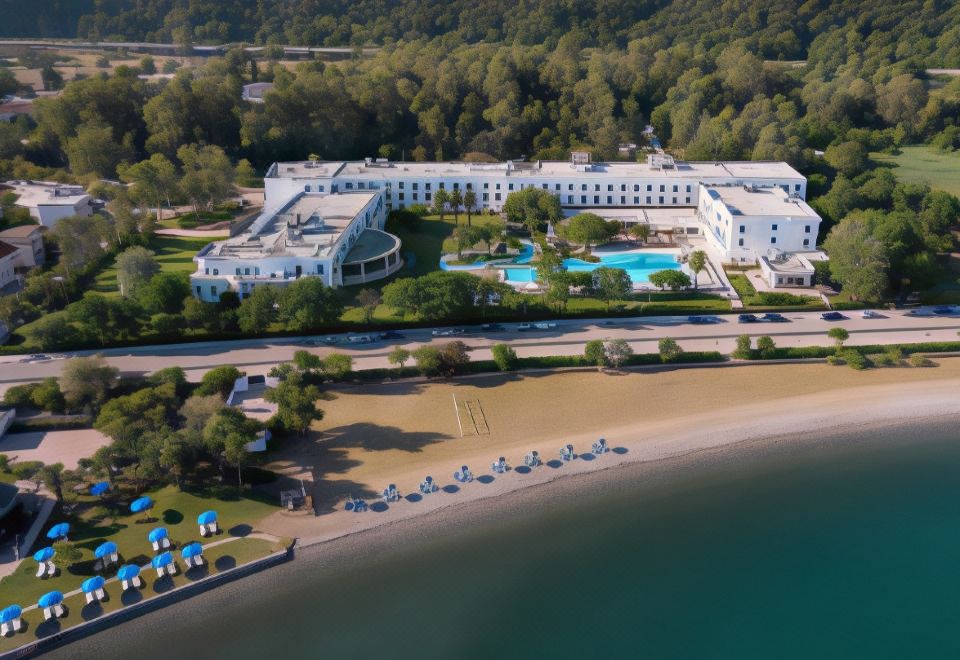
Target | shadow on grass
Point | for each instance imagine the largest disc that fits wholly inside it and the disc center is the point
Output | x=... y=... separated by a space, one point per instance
x=91 y=611
x=131 y=596
x=48 y=628
x=240 y=530
x=224 y=563
x=172 y=517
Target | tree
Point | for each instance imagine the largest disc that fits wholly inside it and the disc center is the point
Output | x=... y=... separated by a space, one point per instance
x=52 y=330
x=219 y=380
x=227 y=435
x=52 y=476
x=147 y=66
x=504 y=356
x=466 y=237
x=135 y=266
x=456 y=201
x=533 y=208
x=165 y=293
x=208 y=175
x=858 y=261
x=848 y=158
x=176 y=458
x=611 y=284
x=594 y=352
x=154 y=179
x=296 y=404
x=669 y=277
x=453 y=357
x=766 y=346
x=197 y=411
x=469 y=204
x=173 y=376
x=838 y=335
x=256 y=311
x=440 y=200
x=743 y=350
x=368 y=300
x=80 y=240
x=247 y=175
x=427 y=359
x=697 y=262
x=307 y=304
x=589 y=228
x=85 y=381
x=640 y=231
x=398 y=356
x=46 y=395
x=617 y=351
x=669 y=350
x=66 y=554
x=92 y=150
x=337 y=365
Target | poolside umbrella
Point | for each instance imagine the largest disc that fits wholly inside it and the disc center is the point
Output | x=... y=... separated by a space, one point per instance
x=163 y=561
x=105 y=550
x=100 y=488
x=141 y=504
x=207 y=517
x=93 y=588
x=10 y=613
x=127 y=573
x=44 y=554
x=59 y=531
x=192 y=553
x=50 y=599
x=159 y=538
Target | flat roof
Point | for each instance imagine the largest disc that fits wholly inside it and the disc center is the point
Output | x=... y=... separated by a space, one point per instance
x=773 y=200
x=306 y=226
x=32 y=195
x=544 y=168
x=21 y=231
x=788 y=263
x=371 y=243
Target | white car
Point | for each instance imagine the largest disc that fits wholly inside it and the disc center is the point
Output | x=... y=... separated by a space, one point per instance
x=870 y=314
x=543 y=325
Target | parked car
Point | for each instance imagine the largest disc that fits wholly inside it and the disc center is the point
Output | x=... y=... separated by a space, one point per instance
x=392 y=334
x=442 y=332
x=701 y=320
x=748 y=318
x=524 y=327
x=871 y=314
x=360 y=339
x=773 y=317
x=944 y=309
x=832 y=316
x=544 y=325
x=492 y=327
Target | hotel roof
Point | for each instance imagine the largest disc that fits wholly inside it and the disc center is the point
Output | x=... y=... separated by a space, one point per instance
x=34 y=194
x=392 y=170
x=773 y=200
x=308 y=226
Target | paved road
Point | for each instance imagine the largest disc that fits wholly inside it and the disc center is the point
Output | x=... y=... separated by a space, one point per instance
x=257 y=356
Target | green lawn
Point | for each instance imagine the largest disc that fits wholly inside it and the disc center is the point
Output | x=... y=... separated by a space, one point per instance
x=925 y=164
x=426 y=241
x=218 y=559
x=93 y=523
x=173 y=253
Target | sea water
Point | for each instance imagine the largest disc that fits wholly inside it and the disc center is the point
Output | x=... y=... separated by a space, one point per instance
x=848 y=548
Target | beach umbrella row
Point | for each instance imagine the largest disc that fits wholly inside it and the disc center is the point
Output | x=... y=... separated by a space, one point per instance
x=58 y=531
x=141 y=504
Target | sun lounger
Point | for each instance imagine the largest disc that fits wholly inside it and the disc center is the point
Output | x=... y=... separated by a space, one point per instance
x=566 y=453
x=172 y=568
x=499 y=466
x=47 y=613
x=51 y=569
x=160 y=571
x=463 y=475
x=428 y=486
x=53 y=612
x=58 y=610
x=212 y=528
x=600 y=447
x=132 y=583
x=532 y=459
x=90 y=596
x=6 y=628
x=41 y=569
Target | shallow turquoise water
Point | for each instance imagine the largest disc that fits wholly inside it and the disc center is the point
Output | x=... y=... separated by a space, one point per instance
x=847 y=550
x=639 y=266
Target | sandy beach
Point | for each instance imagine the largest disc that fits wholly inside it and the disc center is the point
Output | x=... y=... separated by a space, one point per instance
x=399 y=433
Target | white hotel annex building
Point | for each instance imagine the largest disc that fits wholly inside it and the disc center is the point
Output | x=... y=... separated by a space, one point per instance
x=296 y=235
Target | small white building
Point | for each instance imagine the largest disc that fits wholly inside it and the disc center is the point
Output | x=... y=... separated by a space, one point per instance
x=783 y=269
x=336 y=237
x=49 y=202
x=743 y=222
x=8 y=260
x=29 y=238
x=254 y=91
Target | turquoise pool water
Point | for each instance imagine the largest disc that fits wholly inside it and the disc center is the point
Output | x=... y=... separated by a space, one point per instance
x=638 y=265
x=525 y=256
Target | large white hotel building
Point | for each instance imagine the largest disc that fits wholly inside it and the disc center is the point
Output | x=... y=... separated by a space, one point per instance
x=744 y=209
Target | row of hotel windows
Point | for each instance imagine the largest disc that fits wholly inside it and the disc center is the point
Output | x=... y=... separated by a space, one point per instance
x=401 y=185
x=245 y=272
x=773 y=241
x=570 y=199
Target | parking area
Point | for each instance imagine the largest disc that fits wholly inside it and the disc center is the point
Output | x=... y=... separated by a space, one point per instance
x=66 y=446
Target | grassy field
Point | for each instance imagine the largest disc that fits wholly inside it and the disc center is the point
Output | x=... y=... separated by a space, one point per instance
x=93 y=523
x=173 y=253
x=925 y=164
x=426 y=241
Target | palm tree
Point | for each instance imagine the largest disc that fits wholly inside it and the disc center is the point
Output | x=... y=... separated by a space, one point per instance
x=469 y=203
x=697 y=262
x=456 y=200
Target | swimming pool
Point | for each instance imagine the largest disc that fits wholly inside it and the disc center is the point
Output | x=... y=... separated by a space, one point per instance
x=638 y=265
x=524 y=257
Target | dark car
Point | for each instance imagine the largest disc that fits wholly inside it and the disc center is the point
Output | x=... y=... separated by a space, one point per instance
x=491 y=327
x=832 y=316
x=774 y=317
x=748 y=318
x=392 y=334
x=943 y=309
x=701 y=320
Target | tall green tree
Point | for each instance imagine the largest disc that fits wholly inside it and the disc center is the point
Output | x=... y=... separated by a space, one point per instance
x=858 y=260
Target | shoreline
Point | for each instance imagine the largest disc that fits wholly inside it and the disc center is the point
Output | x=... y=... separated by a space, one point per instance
x=383 y=542
x=640 y=442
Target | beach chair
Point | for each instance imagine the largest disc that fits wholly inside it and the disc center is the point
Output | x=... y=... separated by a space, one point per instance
x=532 y=459
x=91 y=595
x=6 y=628
x=160 y=571
x=499 y=466
x=463 y=475
x=51 y=569
x=600 y=447
x=171 y=568
x=41 y=569
x=428 y=486
x=58 y=610
x=47 y=613
x=132 y=583
x=212 y=528
x=566 y=453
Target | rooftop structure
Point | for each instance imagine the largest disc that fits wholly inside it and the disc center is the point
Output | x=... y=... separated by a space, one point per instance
x=29 y=238
x=48 y=202
x=254 y=91
x=782 y=269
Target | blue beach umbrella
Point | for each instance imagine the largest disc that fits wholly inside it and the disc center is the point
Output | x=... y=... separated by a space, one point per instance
x=50 y=599
x=44 y=554
x=162 y=560
x=141 y=504
x=105 y=549
x=191 y=550
x=157 y=534
x=128 y=572
x=207 y=517
x=92 y=584
x=59 y=531
x=10 y=613
x=100 y=488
